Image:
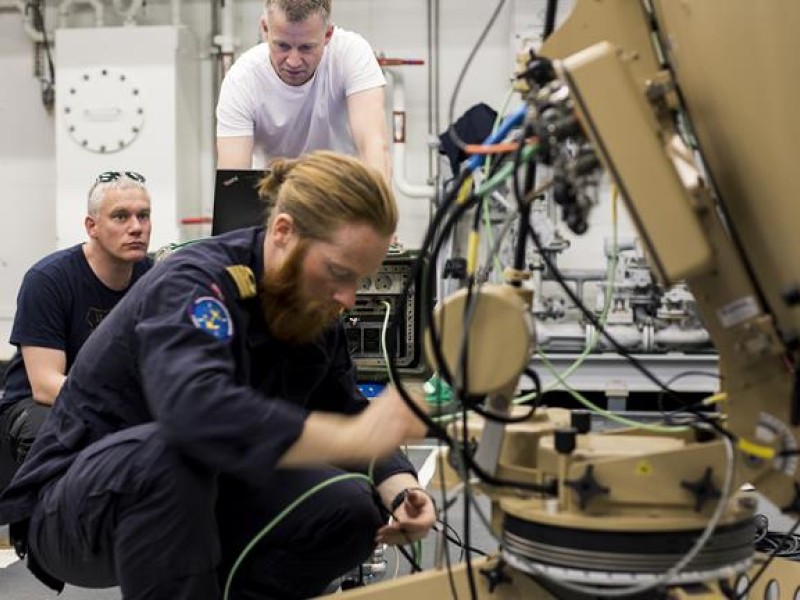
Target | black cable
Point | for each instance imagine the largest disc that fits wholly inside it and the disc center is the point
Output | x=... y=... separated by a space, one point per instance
x=592 y=318
x=550 y=18
x=768 y=541
x=523 y=207
x=442 y=223
x=619 y=348
x=460 y=391
x=447 y=376
x=689 y=373
x=442 y=232
x=415 y=568
x=388 y=513
x=490 y=416
x=473 y=593
x=434 y=428
x=451 y=110
x=33 y=6
x=766 y=563
x=456 y=539
x=445 y=504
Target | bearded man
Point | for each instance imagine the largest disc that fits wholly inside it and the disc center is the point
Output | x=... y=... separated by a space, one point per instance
x=216 y=394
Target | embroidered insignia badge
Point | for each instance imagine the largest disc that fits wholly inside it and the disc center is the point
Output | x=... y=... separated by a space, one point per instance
x=212 y=316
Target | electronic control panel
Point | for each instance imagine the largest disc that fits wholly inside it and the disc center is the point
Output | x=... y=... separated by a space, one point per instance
x=371 y=335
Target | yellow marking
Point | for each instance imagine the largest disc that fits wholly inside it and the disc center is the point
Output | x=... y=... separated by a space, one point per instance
x=244 y=279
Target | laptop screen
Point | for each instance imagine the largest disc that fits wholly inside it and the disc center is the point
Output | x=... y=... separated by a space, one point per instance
x=236 y=200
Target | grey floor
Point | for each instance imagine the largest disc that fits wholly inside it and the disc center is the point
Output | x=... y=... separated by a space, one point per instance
x=17 y=584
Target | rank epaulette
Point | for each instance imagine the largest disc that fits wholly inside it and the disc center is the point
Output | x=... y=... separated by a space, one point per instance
x=244 y=279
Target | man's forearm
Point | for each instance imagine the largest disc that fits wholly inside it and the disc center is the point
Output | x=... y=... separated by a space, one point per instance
x=325 y=439
x=376 y=154
x=45 y=392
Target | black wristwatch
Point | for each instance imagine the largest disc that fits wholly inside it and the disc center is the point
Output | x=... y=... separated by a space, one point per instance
x=402 y=494
x=398 y=500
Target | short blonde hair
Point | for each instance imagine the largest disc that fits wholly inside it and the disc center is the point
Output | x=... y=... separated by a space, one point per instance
x=300 y=10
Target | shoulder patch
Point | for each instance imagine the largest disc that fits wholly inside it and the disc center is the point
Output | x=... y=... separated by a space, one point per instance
x=244 y=279
x=212 y=316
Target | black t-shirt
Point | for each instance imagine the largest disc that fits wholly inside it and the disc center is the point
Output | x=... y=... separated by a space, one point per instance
x=61 y=301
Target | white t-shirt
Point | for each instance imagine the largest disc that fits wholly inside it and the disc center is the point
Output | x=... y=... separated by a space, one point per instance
x=286 y=120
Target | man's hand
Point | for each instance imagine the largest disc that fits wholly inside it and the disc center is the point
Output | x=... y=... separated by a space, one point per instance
x=412 y=519
x=386 y=423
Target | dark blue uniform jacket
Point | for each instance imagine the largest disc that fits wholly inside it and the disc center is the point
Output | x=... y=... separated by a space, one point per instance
x=186 y=349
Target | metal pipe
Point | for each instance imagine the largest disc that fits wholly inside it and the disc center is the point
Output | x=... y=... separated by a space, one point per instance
x=399 y=141
x=34 y=34
x=225 y=38
x=433 y=103
x=675 y=336
x=583 y=275
x=176 y=12
x=30 y=30
x=628 y=336
x=66 y=5
x=129 y=14
x=548 y=333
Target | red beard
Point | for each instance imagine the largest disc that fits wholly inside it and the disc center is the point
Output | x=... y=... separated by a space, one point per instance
x=291 y=314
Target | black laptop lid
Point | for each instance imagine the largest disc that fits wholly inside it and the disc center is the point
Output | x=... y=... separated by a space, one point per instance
x=236 y=200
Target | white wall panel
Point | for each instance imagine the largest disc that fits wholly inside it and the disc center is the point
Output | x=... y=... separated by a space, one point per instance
x=131 y=106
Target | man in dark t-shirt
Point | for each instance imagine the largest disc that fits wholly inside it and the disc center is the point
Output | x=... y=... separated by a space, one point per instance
x=63 y=298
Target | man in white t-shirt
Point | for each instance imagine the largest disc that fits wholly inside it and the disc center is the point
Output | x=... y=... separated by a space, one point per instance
x=310 y=86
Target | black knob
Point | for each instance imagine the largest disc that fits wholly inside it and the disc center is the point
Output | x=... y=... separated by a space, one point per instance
x=791 y=340
x=581 y=421
x=565 y=440
x=791 y=295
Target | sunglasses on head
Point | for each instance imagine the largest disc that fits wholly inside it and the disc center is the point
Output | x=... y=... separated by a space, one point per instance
x=114 y=175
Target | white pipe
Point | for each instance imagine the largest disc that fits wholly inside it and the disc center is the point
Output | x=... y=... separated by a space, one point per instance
x=675 y=336
x=628 y=336
x=548 y=333
x=399 y=141
x=129 y=15
x=176 y=12
x=36 y=36
x=225 y=39
x=66 y=5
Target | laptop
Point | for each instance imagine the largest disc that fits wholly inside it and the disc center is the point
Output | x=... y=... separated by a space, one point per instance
x=236 y=200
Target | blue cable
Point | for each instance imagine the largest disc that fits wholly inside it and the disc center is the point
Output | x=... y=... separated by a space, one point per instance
x=511 y=121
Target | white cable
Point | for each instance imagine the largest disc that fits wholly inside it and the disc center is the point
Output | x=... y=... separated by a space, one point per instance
x=384 y=349
x=396 y=562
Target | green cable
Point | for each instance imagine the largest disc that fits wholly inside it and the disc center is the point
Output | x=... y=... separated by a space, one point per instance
x=487 y=224
x=282 y=515
x=604 y=413
x=592 y=341
x=505 y=172
x=590 y=345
